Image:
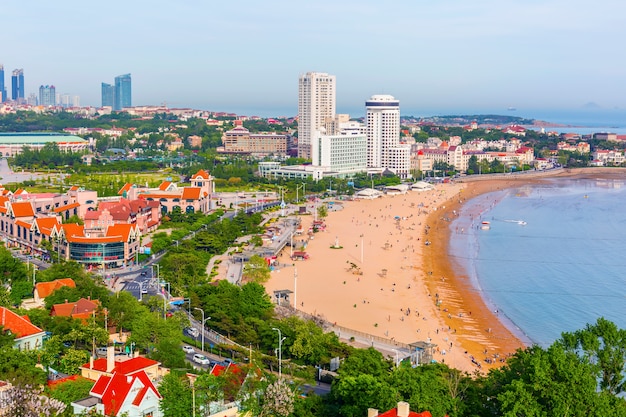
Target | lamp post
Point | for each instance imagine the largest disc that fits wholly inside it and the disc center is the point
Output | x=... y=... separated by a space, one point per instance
x=280 y=352
x=166 y=296
x=203 y=321
x=295 y=288
x=158 y=271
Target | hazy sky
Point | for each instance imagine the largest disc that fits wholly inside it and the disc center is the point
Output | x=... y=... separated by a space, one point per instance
x=246 y=56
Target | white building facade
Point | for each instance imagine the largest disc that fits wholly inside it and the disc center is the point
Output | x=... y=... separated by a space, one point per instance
x=316 y=103
x=345 y=153
x=382 y=121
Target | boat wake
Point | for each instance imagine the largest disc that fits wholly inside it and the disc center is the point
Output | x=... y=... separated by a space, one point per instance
x=520 y=222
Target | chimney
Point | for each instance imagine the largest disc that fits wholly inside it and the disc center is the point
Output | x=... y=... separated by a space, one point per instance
x=403 y=409
x=110 y=358
x=372 y=412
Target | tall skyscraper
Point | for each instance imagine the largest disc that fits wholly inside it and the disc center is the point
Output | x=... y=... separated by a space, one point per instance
x=316 y=102
x=47 y=95
x=123 y=97
x=108 y=95
x=383 y=136
x=17 y=84
x=3 y=90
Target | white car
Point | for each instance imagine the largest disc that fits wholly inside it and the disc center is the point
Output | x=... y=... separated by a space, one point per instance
x=188 y=349
x=201 y=359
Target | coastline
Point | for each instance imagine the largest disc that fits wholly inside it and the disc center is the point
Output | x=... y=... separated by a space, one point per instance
x=453 y=313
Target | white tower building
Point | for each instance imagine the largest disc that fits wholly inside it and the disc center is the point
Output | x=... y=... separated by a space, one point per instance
x=316 y=102
x=383 y=136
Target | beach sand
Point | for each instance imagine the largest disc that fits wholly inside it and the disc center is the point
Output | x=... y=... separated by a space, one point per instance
x=385 y=281
x=384 y=275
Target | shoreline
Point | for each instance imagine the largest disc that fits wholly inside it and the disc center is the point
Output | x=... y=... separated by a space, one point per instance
x=446 y=307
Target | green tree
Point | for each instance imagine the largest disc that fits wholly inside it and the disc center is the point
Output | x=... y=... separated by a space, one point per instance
x=355 y=394
x=70 y=391
x=365 y=361
x=603 y=345
x=256 y=270
x=322 y=211
x=177 y=396
x=550 y=383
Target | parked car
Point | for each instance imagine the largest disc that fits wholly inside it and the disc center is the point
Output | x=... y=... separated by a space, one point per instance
x=192 y=331
x=188 y=349
x=201 y=359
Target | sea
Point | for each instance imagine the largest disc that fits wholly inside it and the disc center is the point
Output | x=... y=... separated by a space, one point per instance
x=553 y=259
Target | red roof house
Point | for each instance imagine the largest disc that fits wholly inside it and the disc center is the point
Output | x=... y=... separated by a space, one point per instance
x=27 y=335
x=121 y=394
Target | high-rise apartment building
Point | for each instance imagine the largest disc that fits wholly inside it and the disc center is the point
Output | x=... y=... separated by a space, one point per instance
x=108 y=95
x=316 y=102
x=3 y=90
x=383 y=136
x=17 y=84
x=123 y=97
x=47 y=95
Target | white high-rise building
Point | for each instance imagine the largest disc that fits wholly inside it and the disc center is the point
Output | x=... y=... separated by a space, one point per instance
x=316 y=103
x=383 y=136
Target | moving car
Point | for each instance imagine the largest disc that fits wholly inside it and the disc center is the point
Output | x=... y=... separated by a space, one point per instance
x=188 y=349
x=201 y=359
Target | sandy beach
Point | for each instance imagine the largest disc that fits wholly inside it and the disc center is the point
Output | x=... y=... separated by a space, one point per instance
x=385 y=281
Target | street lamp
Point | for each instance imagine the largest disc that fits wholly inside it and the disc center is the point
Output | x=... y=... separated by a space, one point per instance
x=166 y=296
x=280 y=352
x=158 y=271
x=203 y=321
x=295 y=288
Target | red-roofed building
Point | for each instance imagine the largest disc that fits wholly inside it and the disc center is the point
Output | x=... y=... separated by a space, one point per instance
x=119 y=394
x=44 y=289
x=114 y=246
x=402 y=410
x=27 y=335
x=109 y=365
x=196 y=198
x=81 y=309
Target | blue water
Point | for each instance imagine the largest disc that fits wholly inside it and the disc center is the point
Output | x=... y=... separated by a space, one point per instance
x=560 y=271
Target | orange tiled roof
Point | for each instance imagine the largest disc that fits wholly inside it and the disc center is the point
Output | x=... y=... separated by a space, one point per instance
x=164 y=185
x=23 y=224
x=72 y=229
x=82 y=308
x=22 y=209
x=120 y=229
x=65 y=208
x=18 y=325
x=126 y=187
x=44 y=289
x=46 y=224
x=191 y=193
x=202 y=174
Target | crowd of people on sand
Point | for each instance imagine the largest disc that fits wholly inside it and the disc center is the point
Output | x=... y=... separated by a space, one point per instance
x=389 y=231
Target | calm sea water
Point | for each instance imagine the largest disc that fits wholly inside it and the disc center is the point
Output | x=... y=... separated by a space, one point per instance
x=561 y=270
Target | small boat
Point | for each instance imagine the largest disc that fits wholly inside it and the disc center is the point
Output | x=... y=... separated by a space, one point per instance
x=485 y=225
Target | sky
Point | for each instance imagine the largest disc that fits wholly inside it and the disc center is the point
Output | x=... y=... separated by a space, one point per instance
x=245 y=56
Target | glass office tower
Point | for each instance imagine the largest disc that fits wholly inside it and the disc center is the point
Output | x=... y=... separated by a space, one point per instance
x=17 y=82
x=123 y=96
x=108 y=95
